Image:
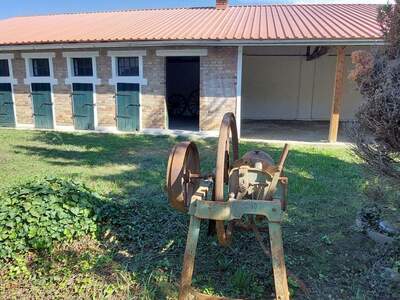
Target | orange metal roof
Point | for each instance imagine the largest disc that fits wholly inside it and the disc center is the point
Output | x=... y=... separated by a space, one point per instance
x=253 y=23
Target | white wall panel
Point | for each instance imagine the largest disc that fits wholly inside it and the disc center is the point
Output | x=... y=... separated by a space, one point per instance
x=278 y=83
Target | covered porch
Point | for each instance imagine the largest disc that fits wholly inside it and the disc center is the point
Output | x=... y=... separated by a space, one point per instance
x=290 y=131
x=296 y=93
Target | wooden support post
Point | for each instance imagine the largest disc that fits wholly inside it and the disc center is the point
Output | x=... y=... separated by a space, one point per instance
x=278 y=261
x=337 y=95
x=188 y=259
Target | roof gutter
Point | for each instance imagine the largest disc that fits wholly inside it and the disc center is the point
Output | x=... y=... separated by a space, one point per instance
x=326 y=42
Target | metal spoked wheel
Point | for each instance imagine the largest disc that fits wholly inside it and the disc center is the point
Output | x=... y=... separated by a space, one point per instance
x=228 y=153
x=182 y=163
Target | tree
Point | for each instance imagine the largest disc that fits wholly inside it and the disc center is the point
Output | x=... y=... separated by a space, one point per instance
x=376 y=130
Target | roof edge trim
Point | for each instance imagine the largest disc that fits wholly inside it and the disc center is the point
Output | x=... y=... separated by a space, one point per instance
x=288 y=42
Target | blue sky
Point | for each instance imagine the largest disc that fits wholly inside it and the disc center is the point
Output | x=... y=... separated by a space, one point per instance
x=10 y=8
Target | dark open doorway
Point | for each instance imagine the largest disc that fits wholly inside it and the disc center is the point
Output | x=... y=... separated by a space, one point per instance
x=182 y=87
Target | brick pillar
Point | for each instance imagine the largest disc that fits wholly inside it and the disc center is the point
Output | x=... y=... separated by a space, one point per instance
x=62 y=92
x=217 y=86
x=153 y=94
x=105 y=101
x=23 y=101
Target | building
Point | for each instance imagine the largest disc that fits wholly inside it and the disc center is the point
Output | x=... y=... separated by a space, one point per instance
x=182 y=68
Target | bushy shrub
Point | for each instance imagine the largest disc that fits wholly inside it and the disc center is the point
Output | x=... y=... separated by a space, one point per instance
x=35 y=215
x=376 y=131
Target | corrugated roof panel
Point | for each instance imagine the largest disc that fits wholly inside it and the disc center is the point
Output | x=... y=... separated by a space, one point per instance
x=342 y=29
x=236 y=20
x=304 y=23
x=253 y=22
x=284 y=17
x=342 y=19
x=294 y=24
x=263 y=23
x=270 y=23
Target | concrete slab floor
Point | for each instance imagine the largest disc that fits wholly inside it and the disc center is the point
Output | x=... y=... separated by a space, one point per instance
x=290 y=131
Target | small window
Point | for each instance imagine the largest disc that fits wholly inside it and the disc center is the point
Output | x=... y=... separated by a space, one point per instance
x=40 y=67
x=83 y=66
x=4 y=71
x=128 y=66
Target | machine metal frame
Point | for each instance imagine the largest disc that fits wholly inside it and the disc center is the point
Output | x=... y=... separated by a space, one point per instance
x=252 y=184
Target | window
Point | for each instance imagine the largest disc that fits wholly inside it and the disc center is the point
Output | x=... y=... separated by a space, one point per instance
x=4 y=70
x=128 y=66
x=40 y=67
x=82 y=66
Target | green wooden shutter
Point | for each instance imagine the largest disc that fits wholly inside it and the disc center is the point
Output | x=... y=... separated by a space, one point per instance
x=6 y=106
x=42 y=105
x=128 y=106
x=83 y=107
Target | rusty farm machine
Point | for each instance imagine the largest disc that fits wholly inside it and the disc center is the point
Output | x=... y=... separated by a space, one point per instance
x=240 y=193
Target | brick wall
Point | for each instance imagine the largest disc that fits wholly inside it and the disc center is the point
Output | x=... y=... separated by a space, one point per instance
x=62 y=92
x=217 y=86
x=217 y=89
x=23 y=102
x=105 y=101
x=153 y=94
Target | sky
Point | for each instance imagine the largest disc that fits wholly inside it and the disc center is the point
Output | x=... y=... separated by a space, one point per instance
x=10 y=8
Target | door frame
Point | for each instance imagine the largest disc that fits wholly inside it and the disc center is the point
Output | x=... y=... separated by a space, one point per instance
x=115 y=79
x=94 y=104
x=11 y=80
x=94 y=80
x=200 y=52
x=13 y=101
x=14 y=104
x=181 y=53
x=29 y=79
x=140 y=103
x=53 y=110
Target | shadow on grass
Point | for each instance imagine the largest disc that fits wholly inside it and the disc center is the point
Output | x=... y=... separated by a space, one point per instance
x=134 y=163
x=145 y=236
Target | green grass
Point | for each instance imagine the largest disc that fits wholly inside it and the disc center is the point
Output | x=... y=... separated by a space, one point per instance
x=139 y=254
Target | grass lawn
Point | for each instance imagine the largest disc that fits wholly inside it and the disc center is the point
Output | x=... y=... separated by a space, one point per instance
x=140 y=254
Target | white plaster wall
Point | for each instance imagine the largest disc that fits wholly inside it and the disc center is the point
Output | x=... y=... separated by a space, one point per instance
x=278 y=83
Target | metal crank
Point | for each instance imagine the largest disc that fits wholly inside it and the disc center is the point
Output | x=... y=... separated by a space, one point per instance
x=250 y=186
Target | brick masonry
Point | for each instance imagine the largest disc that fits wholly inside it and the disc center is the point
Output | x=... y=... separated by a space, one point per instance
x=23 y=102
x=217 y=86
x=217 y=89
x=62 y=92
x=105 y=93
x=153 y=94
